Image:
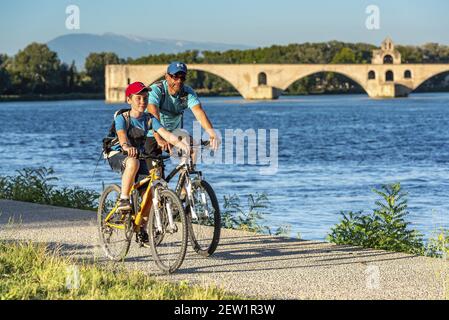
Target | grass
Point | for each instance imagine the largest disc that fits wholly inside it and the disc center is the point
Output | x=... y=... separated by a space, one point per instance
x=29 y=271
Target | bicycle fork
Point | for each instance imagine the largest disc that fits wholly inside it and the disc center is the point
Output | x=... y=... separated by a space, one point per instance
x=205 y=211
x=172 y=228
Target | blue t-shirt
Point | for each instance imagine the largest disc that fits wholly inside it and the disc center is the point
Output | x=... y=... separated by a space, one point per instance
x=141 y=123
x=173 y=106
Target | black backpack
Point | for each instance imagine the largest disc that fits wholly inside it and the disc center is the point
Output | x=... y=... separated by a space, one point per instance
x=111 y=140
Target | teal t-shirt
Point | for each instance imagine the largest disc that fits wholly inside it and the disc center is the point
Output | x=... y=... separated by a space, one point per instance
x=139 y=123
x=172 y=108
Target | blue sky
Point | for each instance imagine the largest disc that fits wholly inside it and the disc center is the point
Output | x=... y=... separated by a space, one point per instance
x=252 y=22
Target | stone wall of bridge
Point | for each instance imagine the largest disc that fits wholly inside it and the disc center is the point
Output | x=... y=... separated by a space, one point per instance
x=278 y=77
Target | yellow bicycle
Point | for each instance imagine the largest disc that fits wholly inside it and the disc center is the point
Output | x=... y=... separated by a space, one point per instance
x=166 y=224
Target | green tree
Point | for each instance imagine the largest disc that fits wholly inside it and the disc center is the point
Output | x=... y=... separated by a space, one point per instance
x=95 y=67
x=345 y=55
x=5 y=81
x=35 y=69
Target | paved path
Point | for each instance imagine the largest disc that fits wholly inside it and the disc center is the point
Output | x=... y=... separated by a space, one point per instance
x=248 y=264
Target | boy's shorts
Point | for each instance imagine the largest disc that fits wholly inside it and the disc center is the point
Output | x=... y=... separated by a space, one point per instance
x=117 y=163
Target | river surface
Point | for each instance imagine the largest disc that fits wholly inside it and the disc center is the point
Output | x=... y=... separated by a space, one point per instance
x=332 y=151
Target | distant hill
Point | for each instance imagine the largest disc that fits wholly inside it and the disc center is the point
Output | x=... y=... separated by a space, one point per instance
x=76 y=47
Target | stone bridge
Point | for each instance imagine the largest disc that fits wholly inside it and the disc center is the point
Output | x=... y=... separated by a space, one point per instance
x=385 y=77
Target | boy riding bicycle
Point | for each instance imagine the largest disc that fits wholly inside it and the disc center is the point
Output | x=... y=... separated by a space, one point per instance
x=132 y=129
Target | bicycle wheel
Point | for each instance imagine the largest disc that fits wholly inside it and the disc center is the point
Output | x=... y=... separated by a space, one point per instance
x=168 y=245
x=205 y=225
x=116 y=232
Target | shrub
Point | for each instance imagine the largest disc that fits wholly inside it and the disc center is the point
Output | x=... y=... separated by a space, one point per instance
x=438 y=245
x=235 y=216
x=36 y=185
x=249 y=217
x=385 y=228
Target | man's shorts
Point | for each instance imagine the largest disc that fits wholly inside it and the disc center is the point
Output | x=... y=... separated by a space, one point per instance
x=152 y=148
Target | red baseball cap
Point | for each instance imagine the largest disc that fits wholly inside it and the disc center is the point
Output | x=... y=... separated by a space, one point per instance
x=136 y=88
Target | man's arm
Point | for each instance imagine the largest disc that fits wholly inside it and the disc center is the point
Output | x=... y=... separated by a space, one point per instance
x=202 y=118
x=170 y=137
x=154 y=110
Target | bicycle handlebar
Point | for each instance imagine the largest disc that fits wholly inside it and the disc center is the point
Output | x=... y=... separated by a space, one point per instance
x=143 y=156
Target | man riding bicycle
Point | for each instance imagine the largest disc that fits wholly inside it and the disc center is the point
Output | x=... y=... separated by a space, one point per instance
x=167 y=102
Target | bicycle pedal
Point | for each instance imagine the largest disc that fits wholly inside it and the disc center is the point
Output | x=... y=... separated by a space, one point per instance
x=142 y=244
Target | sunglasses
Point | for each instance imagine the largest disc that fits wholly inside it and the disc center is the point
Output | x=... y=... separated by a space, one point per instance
x=181 y=77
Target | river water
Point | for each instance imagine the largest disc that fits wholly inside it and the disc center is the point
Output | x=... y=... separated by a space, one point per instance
x=332 y=151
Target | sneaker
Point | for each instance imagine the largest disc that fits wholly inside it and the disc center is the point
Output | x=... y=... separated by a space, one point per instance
x=124 y=205
x=142 y=237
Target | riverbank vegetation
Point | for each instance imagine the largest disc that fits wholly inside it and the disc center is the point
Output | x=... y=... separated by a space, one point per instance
x=250 y=216
x=38 y=272
x=36 y=185
x=387 y=227
x=36 y=71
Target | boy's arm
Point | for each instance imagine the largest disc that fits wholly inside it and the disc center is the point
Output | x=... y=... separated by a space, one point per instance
x=124 y=143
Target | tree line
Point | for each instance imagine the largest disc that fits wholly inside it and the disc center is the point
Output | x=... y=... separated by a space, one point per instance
x=38 y=70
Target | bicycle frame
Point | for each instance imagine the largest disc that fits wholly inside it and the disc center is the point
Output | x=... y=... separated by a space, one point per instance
x=185 y=170
x=152 y=180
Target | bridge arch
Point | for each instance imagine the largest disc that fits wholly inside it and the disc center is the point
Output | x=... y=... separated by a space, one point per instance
x=345 y=74
x=231 y=81
x=205 y=70
x=430 y=77
x=156 y=77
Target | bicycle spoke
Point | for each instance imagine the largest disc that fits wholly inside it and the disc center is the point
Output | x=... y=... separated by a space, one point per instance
x=169 y=247
x=113 y=225
x=205 y=224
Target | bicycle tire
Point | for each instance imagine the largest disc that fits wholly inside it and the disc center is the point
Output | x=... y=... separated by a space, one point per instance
x=205 y=248
x=180 y=236
x=126 y=221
